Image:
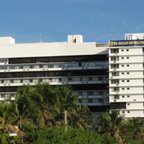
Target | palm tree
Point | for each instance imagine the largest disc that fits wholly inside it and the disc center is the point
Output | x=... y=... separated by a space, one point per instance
x=110 y=123
x=21 y=107
x=45 y=105
x=33 y=103
x=133 y=129
x=4 y=114
x=67 y=100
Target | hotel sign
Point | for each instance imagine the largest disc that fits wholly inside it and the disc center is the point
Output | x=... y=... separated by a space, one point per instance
x=119 y=43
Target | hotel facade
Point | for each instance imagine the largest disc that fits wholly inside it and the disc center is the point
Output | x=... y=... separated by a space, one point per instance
x=126 y=75
x=106 y=76
x=81 y=65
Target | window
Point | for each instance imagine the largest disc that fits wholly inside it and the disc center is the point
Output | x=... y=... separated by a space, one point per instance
x=116 y=96
x=115 y=89
x=31 y=66
x=115 y=73
x=127 y=50
x=90 y=78
x=122 y=50
x=50 y=79
x=3 y=60
x=123 y=96
x=122 y=58
x=100 y=100
x=122 y=65
x=60 y=79
x=114 y=50
x=114 y=66
x=128 y=88
x=128 y=80
x=127 y=57
x=90 y=100
x=122 y=73
x=114 y=81
x=12 y=67
x=80 y=64
x=81 y=79
x=128 y=103
x=122 y=88
x=21 y=81
x=143 y=49
x=128 y=96
x=122 y=80
x=100 y=78
x=127 y=72
x=127 y=65
x=128 y=111
x=69 y=79
x=101 y=92
x=114 y=58
x=84 y=100
x=90 y=93
x=21 y=67
x=30 y=80
x=2 y=95
x=40 y=66
x=11 y=81
x=2 y=81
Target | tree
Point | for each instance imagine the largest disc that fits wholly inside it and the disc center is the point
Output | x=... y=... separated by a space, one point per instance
x=133 y=130
x=110 y=123
x=21 y=108
x=4 y=114
x=45 y=104
x=57 y=135
x=67 y=100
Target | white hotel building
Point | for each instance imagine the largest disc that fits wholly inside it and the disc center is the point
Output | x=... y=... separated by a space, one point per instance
x=104 y=76
x=81 y=65
x=126 y=75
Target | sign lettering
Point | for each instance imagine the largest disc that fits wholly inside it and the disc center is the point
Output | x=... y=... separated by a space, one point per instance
x=126 y=43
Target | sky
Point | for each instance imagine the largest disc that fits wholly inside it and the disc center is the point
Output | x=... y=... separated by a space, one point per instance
x=53 y=20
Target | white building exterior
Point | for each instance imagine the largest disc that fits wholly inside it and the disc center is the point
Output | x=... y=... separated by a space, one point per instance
x=81 y=65
x=126 y=76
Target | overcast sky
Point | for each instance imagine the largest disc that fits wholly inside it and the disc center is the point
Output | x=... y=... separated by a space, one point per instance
x=53 y=20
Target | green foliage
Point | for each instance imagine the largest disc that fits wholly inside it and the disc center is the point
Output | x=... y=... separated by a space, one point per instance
x=58 y=135
x=45 y=105
x=6 y=139
x=110 y=124
x=38 y=111
x=133 y=130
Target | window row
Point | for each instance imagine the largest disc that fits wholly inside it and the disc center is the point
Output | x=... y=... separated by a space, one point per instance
x=116 y=58
x=69 y=79
x=116 y=81
x=117 y=65
x=116 y=50
x=117 y=73
x=94 y=100
x=57 y=65
x=92 y=93
x=125 y=111
x=123 y=96
x=116 y=89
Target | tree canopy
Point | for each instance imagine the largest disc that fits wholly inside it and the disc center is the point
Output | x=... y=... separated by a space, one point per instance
x=51 y=114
